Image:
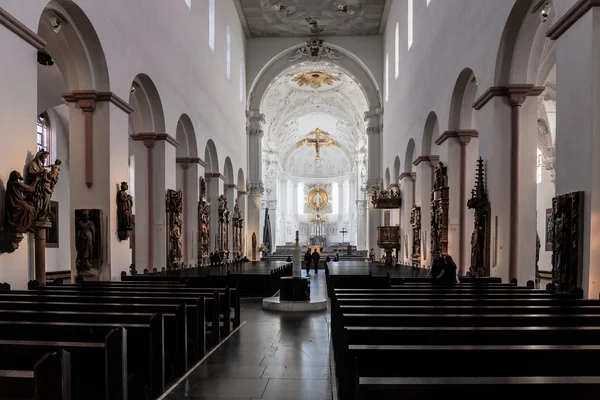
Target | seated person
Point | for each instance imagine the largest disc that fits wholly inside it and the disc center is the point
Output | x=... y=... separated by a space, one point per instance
x=288 y=259
x=244 y=259
x=337 y=257
x=327 y=259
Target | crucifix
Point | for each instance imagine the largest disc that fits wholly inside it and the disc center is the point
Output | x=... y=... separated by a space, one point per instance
x=321 y=139
x=343 y=232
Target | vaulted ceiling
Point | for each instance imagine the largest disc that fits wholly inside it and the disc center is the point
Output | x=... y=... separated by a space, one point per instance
x=285 y=18
x=293 y=109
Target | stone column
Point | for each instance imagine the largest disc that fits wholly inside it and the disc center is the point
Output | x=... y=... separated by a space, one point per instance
x=99 y=159
x=244 y=239
x=230 y=194
x=423 y=187
x=578 y=128
x=374 y=120
x=255 y=187
x=41 y=227
x=361 y=222
x=407 y=187
x=190 y=167
x=161 y=176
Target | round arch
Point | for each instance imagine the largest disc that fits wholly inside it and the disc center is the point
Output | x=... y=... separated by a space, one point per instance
x=349 y=62
x=241 y=181
x=462 y=114
x=409 y=156
x=186 y=136
x=430 y=132
x=75 y=48
x=386 y=179
x=148 y=115
x=211 y=157
x=396 y=174
x=522 y=45
x=228 y=171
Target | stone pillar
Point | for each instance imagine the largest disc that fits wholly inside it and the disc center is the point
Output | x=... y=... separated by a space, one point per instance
x=245 y=240
x=99 y=160
x=423 y=187
x=230 y=194
x=578 y=129
x=214 y=186
x=255 y=187
x=511 y=164
x=407 y=187
x=41 y=227
x=190 y=167
x=374 y=120
x=361 y=222
x=161 y=176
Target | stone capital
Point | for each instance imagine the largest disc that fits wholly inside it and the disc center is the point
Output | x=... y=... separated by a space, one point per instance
x=516 y=93
x=256 y=188
x=411 y=175
x=462 y=135
x=430 y=159
x=87 y=99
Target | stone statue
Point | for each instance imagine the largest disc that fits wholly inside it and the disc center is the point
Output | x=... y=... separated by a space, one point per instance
x=19 y=206
x=175 y=238
x=479 y=203
x=415 y=222
x=124 y=209
x=85 y=242
x=254 y=244
x=223 y=238
x=203 y=223
x=37 y=167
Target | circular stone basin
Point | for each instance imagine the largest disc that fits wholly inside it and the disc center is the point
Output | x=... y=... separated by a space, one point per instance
x=276 y=304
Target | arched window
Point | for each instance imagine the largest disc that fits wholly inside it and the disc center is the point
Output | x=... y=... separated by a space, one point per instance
x=387 y=76
x=410 y=23
x=211 y=24
x=428 y=1
x=189 y=3
x=397 y=45
x=228 y=41
x=242 y=79
x=43 y=133
x=540 y=165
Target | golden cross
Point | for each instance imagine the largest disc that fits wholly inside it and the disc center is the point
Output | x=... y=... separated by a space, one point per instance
x=321 y=139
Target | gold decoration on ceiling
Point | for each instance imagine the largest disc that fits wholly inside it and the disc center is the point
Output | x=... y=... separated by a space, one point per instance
x=317 y=199
x=315 y=79
x=321 y=139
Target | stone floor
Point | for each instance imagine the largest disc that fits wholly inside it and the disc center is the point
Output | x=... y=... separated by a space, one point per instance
x=274 y=356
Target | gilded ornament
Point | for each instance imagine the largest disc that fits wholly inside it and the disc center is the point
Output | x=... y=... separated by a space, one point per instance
x=315 y=79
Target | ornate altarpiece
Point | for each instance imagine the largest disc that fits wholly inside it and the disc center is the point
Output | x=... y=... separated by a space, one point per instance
x=174 y=200
x=415 y=223
x=223 y=238
x=440 y=202
x=567 y=241
x=203 y=225
x=480 y=237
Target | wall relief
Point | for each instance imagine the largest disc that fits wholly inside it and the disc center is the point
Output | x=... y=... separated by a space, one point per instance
x=203 y=225
x=174 y=200
x=440 y=202
x=88 y=242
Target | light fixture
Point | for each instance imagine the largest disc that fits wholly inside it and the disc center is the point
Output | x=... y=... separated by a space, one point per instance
x=56 y=24
x=545 y=11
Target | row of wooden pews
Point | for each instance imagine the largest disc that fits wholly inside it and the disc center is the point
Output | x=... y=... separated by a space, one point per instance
x=422 y=340
x=108 y=340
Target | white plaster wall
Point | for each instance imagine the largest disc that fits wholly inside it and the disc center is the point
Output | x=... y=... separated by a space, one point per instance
x=165 y=40
x=545 y=193
x=59 y=259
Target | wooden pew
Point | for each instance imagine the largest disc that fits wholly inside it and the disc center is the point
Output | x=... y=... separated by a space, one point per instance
x=196 y=303
x=98 y=362
x=233 y=298
x=48 y=379
x=212 y=299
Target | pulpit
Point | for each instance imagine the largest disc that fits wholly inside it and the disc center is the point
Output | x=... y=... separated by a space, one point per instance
x=388 y=238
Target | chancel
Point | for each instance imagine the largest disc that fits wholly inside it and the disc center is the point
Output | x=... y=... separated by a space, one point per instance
x=288 y=199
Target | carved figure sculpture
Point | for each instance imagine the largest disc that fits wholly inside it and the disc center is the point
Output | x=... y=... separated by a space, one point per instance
x=254 y=244
x=415 y=222
x=19 y=209
x=85 y=242
x=567 y=265
x=124 y=208
x=174 y=209
x=480 y=204
x=439 y=212
x=203 y=224
x=223 y=238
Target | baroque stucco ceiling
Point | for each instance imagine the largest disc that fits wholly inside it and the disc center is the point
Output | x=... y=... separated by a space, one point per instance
x=284 y=18
x=292 y=111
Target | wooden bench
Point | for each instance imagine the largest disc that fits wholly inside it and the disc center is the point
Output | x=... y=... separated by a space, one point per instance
x=98 y=363
x=48 y=379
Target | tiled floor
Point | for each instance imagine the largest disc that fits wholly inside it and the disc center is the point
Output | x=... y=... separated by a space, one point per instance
x=274 y=356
